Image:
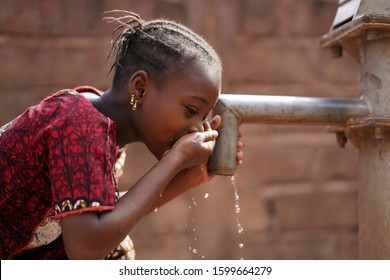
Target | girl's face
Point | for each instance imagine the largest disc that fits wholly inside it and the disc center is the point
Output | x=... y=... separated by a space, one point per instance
x=177 y=108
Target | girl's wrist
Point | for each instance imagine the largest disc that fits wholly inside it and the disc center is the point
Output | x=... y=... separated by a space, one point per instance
x=174 y=160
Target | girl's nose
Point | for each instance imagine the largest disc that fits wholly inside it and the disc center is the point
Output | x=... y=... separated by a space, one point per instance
x=196 y=127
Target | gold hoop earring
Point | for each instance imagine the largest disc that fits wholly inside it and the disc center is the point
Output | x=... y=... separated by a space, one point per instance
x=132 y=100
x=134 y=106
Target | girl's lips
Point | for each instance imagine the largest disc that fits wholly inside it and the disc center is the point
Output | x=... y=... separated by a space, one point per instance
x=172 y=141
x=165 y=149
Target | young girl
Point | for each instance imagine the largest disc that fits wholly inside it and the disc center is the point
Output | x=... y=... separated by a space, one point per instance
x=57 y=160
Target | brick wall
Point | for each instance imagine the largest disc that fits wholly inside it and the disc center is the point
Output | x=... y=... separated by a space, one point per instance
x=297 y=188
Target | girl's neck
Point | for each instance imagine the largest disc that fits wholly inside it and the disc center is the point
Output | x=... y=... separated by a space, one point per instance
x=117 y=110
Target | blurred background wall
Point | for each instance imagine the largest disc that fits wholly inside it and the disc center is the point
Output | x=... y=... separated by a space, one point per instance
x=297 y=189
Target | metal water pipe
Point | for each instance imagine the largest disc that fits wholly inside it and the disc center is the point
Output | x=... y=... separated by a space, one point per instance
x=362 y=28
x=236 y=109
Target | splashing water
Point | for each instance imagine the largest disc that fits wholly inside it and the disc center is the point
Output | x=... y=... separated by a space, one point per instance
x=190 y=207
x=240 y=229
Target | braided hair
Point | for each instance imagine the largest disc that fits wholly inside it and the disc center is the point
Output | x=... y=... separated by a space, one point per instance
x=160 y=47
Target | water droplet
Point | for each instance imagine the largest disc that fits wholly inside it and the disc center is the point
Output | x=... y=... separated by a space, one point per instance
x=194 y=251
x=206 y=195
x=241 y=245
x=156 y=209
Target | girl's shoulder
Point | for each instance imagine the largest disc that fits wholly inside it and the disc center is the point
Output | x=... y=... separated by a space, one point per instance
x=81 y=89
x=67 y=107
x=71 y=101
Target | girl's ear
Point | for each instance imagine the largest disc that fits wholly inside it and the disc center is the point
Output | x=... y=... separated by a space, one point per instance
x=138 y=85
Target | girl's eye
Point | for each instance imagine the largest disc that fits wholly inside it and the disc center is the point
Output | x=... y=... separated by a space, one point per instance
x=192 y=111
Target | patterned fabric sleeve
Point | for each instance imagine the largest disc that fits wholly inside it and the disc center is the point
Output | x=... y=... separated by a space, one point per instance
x=81 y=161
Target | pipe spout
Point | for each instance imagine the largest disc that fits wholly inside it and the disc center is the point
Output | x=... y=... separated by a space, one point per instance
x=236 y=109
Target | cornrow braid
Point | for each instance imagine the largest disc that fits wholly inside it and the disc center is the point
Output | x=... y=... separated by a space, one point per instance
x=159 y=47
x=198 y=41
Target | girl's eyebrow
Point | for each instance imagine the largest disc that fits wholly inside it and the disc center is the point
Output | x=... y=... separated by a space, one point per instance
x=200 y=99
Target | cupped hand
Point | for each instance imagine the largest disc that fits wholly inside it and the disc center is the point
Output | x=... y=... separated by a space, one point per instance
x=200 y=171
x=195 y=148
x=198 y=174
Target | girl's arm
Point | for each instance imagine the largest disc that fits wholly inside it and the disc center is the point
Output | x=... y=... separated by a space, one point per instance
x=93 y=235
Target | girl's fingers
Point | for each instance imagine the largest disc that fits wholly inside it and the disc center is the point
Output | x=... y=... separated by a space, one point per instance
x=210 y=135
x=215 y=122
x=240 y=144
x=240 y=156
x=206 y=125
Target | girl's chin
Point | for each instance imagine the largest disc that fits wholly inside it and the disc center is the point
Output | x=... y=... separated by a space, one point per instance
x=158 y=157
x=159 y=154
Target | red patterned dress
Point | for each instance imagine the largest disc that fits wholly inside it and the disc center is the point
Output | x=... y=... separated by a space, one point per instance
x=56 y=159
